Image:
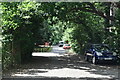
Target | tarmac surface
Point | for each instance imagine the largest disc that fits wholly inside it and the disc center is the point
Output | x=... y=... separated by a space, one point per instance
x=62 y=65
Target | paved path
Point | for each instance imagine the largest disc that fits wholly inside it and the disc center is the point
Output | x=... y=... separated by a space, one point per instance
x=65 y=67
x=56 y=52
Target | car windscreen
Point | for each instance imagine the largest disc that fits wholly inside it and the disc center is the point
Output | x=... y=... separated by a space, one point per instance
x=67 y=44
x=61 y=42
x=100 y=48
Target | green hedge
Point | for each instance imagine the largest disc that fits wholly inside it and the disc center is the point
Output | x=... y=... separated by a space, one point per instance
x=42 y=49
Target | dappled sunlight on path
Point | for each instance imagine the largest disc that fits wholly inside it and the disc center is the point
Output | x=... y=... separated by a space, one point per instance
x=65 y=67
x=61 y=73
x=60 y=65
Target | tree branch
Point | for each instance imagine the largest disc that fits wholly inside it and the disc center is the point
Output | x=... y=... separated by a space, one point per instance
x=92 y=9
x=117 y=4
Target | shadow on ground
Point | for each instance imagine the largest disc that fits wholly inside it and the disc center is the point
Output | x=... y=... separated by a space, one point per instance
x=64 y=68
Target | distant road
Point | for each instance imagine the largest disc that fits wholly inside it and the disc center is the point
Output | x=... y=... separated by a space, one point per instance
x=56 y=51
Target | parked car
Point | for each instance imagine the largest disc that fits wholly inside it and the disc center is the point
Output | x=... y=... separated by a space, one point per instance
x=100 y=53
x=61 y=43
x=66 y=46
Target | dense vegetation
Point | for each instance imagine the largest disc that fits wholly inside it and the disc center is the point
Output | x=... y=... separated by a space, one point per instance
x=26 y=23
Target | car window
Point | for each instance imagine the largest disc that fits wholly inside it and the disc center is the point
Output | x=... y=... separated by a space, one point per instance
x=67 y=44
x=61 y=42
x=101 y=48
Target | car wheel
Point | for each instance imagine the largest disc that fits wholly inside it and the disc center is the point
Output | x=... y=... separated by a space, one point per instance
x=86 y=58
x=94 y=60
x=116 y=62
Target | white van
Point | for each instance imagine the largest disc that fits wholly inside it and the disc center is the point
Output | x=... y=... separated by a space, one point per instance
x=61 y=43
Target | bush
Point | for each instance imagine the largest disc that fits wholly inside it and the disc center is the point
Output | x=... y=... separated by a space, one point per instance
x=42 y=49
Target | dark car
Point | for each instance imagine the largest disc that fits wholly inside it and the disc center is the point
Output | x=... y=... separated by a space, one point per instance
x=100 y=53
